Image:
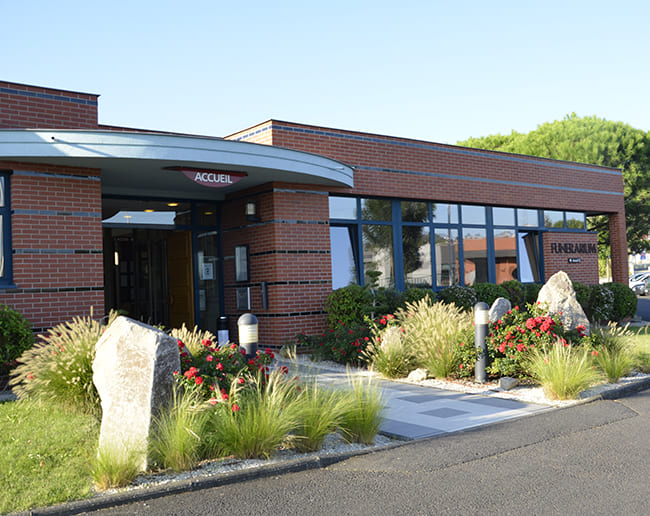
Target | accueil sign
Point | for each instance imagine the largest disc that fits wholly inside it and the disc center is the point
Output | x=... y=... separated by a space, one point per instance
x=212 y=178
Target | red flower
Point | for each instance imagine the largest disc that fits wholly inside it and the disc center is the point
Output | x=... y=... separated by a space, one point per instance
x=240 y=381
x=219 y=366
x=212 y=401
x=235 y=408
x=206 y=342
x=224 y=396
x=209 y=358
x=198 y=380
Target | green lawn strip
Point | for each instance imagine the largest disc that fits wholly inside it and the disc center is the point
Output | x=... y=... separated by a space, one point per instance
x=44 y=455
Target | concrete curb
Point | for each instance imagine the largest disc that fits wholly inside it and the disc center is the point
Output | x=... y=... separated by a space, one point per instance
x=197 y=484
x=289 y=466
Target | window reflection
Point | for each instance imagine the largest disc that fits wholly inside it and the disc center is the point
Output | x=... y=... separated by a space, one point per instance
x=446 y=257
x=445 y=213
x=416 y=252
x=575 y=220
x=553 y=219
x=529 y=257
x=475 y=262
x=473 y=214
x=505 y=255
x=378 y=264
x=343 y=208
x=343 y=246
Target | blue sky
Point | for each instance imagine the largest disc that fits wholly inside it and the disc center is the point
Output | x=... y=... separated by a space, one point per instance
x=432 y=70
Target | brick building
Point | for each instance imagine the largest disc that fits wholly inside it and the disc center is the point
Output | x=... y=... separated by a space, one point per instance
x=178 y=228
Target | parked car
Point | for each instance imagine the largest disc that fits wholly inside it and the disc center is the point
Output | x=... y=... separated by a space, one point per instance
x=639 y=283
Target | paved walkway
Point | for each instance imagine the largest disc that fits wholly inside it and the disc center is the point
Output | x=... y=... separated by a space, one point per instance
x=414 y=411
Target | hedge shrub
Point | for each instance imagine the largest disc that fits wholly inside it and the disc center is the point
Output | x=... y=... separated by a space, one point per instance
x=625 y=301
x=489 y=292
x=463 y=297
x=348 y=305
x=15 y=337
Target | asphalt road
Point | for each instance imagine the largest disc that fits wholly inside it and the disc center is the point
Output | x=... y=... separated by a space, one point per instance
x=587 y=459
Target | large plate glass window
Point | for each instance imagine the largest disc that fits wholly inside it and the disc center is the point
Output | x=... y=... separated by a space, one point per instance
x=378 y=262
x=475 y=264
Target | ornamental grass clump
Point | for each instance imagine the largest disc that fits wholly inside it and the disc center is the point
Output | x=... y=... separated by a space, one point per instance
x=58 y=369
x=363 y=412
x=389 y=352
x=115 y=467
x=433 y=331
x=177 y=437
x=254 y=418
x=612 y=351
x=193 y=340
x=319 y=412
x=563 y=370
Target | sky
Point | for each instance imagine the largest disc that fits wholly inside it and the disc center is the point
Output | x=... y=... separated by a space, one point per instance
x=434 y=70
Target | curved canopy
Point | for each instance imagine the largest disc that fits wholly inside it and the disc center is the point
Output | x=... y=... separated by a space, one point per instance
x=151 y=164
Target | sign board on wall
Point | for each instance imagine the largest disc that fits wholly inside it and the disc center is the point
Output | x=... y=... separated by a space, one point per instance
x=211 y=178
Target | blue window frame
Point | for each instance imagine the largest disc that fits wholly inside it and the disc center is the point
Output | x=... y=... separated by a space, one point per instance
x=401 y=243
x=6 y=272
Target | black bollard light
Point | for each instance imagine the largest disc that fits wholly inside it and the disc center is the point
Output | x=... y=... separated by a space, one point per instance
x=481 y=321
x=247 y=325
x=223 y=335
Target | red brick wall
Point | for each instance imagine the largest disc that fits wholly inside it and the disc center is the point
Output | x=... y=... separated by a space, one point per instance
x=561 y=248
x=403 y=168
x=290 y=250
x=57 y=243
x=23 y=106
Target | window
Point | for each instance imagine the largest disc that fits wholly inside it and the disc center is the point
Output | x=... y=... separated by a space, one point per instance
x=345 y=255
x=575 y=220
x=5 y=231
x=553 y=219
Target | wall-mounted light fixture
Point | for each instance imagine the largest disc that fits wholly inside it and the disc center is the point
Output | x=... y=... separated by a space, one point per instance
x=251 y=210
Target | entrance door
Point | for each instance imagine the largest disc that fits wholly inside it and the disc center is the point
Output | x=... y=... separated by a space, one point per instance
x=181 y=279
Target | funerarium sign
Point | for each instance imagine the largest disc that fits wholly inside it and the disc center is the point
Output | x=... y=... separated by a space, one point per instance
x=573 y=248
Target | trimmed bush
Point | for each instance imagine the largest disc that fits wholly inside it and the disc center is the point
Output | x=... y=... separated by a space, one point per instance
x=15 y=337
x=348 y=305
x=489 y=292
x=516 y=292
x=531 y=292
x=601 y=304
x=583 y=292
x=625 y=301
x=463 y=297
x=413 y=295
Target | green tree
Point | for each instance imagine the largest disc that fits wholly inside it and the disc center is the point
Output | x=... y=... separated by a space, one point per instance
x=595 y=141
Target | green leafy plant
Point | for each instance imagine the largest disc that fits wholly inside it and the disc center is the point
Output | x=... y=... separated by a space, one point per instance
x=489 y=292
x=115 y=467
x=531 y=291
x=601 y=304
x=58 y=369
x=563 y=370
x=343 y=344
x=516 y=292
x=363 y=414
x=511 y=339
x=463 y=297
x=212 y=368
x=348 y=306
x=15 y=337
x=625 y=301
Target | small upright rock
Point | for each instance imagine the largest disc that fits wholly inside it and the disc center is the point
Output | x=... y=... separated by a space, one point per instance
x=560 y=298
x=418 y=375
x=499 y=308
x=506 y=383
x=133 y=372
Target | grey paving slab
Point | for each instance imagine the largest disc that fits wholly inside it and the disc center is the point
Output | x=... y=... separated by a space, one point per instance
x=416 y=411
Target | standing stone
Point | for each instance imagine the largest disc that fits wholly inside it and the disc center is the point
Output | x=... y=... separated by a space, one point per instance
x=133 y=372
x=499 y=308
x=560 y=299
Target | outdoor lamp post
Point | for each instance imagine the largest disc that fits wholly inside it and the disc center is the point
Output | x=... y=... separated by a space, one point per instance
x=481 y=320
x=247 y=325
